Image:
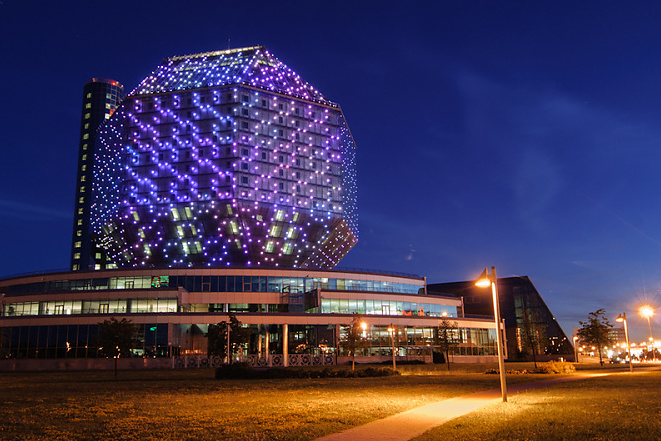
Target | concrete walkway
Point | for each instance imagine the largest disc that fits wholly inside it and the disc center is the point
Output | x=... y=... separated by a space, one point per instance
x=407 y=425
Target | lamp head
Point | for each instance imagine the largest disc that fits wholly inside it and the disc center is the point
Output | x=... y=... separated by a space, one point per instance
x=646 y=311
x=621 y=318
x=484 y=280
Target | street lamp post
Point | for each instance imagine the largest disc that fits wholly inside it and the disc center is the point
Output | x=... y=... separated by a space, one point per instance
x=576 y=348
x=647 y=312
x=622 y=318
x=484 y=281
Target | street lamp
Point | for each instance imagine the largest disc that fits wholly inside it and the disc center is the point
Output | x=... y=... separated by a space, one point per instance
x=484 y=281
x=576 y=348
x=647 y=312
x=622 y=318
x=391 y=331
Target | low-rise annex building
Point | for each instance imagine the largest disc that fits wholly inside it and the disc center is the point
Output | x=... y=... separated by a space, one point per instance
x=296 y=316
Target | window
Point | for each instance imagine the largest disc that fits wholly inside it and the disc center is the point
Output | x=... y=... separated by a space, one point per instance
x=77 y=244
x=76 y=255
x=88 y=105
x=79 y=233
x=87 y=116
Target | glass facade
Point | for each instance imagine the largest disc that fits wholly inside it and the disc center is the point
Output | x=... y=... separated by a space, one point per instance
x=385 y=307
x=50 y=317
x=212 y=283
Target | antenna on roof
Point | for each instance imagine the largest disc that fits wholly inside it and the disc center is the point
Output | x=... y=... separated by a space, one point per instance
x=228 y=44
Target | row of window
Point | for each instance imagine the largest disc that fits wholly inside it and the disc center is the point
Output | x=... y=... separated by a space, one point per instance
x=385 y=307
x=218 y=284
x=110 y=306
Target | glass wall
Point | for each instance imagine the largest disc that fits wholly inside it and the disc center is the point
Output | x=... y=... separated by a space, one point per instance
x=417 y=340
x=110 y=306
x=219 y=284
x=385 y=307
x=77 y=341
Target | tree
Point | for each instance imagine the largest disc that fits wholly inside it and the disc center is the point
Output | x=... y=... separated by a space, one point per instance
x=217 y=337
x=533 y=333
x=595 y=331
x=447 y=338
x=354 y=338
x=116 y=338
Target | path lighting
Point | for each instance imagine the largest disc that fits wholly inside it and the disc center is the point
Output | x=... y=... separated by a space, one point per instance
x=576 y=348
x=391 y=331
x=622 y=318
x=484 y=281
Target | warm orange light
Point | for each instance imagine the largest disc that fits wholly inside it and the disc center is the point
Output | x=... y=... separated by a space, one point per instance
x=646 y=311
x=484 y=280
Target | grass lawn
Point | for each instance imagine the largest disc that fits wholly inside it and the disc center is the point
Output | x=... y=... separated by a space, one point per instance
x=191 y=404
x=617 y=407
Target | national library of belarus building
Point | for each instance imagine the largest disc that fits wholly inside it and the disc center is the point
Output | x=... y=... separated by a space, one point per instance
x=223 y=183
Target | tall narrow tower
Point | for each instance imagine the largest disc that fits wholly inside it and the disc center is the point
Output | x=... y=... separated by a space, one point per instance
x=100 y=99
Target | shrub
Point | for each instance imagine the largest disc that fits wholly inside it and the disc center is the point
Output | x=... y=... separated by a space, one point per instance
x=245 y=371
x=555 y=367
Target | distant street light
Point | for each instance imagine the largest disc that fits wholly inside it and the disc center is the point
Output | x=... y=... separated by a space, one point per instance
x=484 y=281
x=622 y=318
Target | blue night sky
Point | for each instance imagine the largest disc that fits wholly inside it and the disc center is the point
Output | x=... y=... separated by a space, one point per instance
x=518 y=134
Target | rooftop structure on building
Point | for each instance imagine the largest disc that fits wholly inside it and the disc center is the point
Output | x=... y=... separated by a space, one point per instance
x=225 y=158
x=529 y=323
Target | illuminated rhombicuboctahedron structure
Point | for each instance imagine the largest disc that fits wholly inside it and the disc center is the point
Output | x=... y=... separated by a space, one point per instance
x=225 y=158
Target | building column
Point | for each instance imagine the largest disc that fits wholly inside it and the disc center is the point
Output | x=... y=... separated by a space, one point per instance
x=266 y=342
x=285 y=345
x=259 y=340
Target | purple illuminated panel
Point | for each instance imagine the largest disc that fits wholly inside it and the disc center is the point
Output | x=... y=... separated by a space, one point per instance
x=226 y=174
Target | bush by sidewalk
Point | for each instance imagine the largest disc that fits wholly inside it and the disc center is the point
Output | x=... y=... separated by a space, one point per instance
x=552 y=367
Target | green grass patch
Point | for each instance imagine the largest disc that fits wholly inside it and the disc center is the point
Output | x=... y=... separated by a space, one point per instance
x=617 y=407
